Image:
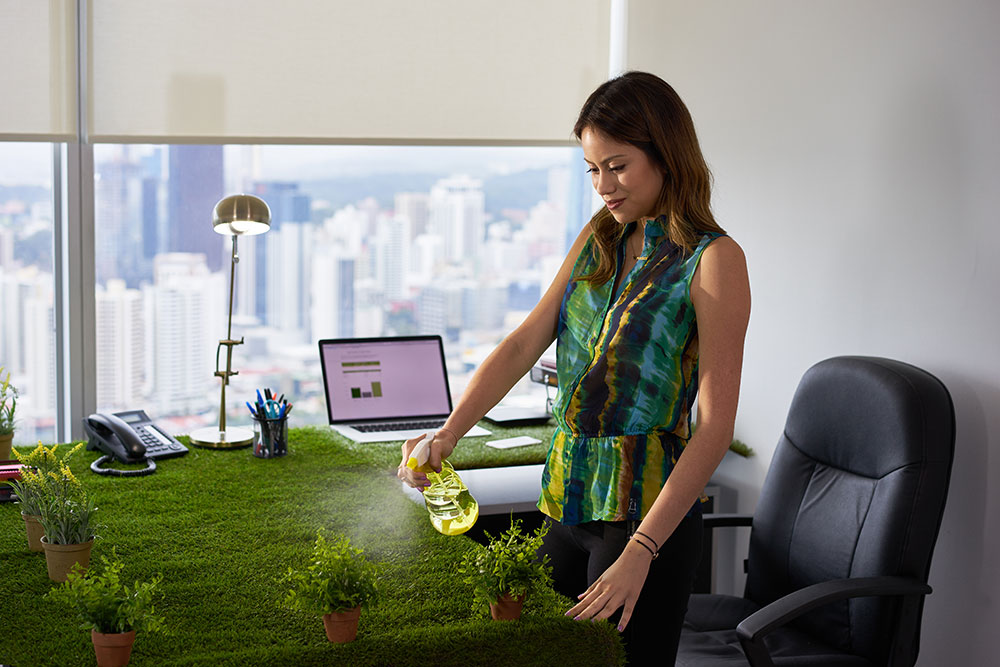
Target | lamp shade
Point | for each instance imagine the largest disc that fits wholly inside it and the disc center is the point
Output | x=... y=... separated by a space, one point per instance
x=241 y=215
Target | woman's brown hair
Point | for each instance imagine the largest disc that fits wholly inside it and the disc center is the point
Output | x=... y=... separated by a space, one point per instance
x=642 y=109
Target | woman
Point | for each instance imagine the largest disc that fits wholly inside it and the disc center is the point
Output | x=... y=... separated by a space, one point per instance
x=649 y=308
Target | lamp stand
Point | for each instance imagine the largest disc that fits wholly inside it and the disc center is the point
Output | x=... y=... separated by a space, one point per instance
x=223 y=438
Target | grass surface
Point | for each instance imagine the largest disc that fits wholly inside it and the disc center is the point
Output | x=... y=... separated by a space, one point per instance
x=222 y=526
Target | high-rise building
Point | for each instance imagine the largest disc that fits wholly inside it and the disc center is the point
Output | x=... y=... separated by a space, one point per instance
x=289 y=277
x=458 y=215
x=266 y=287
x=189 y=318
x=39 y=328
x=415 y=207
x=332 y=293
x=121 y=346
x=286 y=202
x=393 y=256
x=118 y=197
x=196 y=184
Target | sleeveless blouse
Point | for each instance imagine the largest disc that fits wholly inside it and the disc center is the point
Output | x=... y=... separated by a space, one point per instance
x=628 y=375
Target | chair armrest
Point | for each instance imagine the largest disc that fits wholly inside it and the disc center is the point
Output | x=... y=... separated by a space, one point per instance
x=752 y=630
x=716 y=520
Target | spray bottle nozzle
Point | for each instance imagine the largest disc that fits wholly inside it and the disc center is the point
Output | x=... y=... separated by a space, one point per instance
x=420 y=454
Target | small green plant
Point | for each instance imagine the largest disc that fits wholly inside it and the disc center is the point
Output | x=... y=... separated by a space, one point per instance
x=68 y=520
x=103 y=603
x=8 y=404
x=339 y=578
x=44 y=474
x=741 y=448
x=507 y=565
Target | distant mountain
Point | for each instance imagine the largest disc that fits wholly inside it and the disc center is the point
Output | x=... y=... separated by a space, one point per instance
x=521 y=189
x=27 y=193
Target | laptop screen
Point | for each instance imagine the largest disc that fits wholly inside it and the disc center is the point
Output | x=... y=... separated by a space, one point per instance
x=372 y=379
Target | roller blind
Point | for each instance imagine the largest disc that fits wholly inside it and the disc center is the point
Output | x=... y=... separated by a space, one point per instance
x=379 y=71
x=37 y=70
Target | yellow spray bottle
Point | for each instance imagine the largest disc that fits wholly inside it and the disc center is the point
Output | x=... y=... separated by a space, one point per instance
x=451 y=507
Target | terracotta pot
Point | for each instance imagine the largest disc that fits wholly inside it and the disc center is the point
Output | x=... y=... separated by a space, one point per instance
x=60 y=558
x=112 y=649
x=342 y=626
x=5 y=446
x=33 y=528
x=507 y=608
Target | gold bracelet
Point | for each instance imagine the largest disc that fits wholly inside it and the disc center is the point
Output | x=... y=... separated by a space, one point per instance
x=449 y=431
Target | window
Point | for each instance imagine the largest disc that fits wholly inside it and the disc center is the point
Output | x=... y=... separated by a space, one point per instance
x=364 y=241
x=27 y=286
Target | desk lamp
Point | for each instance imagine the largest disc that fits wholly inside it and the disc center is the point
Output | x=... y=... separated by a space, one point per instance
x=234 y=216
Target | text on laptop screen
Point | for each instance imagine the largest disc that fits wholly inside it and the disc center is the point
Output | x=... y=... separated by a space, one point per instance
x=385 y=379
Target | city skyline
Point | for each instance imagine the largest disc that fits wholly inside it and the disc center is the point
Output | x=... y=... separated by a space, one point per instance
x=433 y=262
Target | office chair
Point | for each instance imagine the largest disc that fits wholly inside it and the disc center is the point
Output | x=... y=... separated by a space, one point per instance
x=841 y=541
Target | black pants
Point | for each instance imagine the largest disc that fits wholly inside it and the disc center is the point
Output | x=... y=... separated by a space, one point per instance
x=580 y=554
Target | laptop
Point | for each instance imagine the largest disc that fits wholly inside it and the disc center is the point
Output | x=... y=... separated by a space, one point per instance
x=386 y=389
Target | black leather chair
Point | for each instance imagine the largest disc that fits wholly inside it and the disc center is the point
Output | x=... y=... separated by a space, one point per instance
x=841 y=541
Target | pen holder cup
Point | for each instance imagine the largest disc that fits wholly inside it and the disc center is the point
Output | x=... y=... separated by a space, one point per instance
x=270 y=437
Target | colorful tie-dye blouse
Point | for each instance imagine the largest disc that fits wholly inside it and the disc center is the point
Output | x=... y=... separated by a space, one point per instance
x=628 y=376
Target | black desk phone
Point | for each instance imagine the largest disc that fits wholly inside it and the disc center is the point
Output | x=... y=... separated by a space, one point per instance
x=129 y=437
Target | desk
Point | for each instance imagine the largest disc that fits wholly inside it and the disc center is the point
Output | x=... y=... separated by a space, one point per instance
x=222 y=526
x=498 y=490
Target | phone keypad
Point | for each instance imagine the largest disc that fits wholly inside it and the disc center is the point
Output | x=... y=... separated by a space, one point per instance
x=157 y=445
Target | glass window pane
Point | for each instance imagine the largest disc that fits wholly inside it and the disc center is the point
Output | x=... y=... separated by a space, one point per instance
x=364 y=241
x=27 y=318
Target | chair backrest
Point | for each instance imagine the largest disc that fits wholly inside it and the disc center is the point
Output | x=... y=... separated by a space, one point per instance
x=856 y=488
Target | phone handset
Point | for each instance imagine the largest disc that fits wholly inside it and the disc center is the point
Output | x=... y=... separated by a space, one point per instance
x=110 y=434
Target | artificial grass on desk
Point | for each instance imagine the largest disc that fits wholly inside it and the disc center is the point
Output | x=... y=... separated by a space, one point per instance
x=222 y=526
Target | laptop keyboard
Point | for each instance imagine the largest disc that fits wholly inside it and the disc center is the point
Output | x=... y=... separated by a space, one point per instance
x=400 y=426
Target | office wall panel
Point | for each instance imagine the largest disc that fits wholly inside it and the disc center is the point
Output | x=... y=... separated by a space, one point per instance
x=856 y=151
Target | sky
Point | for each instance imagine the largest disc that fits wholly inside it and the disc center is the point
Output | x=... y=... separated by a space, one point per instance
x=31 y=163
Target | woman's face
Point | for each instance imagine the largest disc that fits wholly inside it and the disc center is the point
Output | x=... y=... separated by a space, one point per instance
x=628 y=182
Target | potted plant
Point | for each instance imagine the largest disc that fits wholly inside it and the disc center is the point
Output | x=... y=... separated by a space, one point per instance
x=111 y=610
x=8 y=405
x=504 y=572
x=41 y=475
x=66 y=514
x=336 y=583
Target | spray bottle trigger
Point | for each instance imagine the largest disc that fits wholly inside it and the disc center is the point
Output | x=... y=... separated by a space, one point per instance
x=420 y=454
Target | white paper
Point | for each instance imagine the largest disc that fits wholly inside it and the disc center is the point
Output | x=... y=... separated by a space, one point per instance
x=519 y=441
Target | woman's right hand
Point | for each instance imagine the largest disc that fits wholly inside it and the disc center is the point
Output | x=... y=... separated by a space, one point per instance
x=440 y=448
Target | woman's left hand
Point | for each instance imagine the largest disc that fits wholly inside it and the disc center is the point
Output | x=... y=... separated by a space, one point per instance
x=618 y=587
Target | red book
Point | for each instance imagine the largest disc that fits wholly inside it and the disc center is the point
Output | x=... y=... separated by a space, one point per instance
x=10 y=470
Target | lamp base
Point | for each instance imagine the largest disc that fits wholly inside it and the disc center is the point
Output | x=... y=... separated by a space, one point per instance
x=212 y=438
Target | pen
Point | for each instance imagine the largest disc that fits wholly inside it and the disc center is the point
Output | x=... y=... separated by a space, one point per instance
x=252 y=411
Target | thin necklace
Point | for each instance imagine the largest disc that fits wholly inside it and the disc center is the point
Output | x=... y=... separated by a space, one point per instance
x=636 y=255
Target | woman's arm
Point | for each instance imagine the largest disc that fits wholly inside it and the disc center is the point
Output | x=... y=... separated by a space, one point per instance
x=720 y=291
x=512 y=358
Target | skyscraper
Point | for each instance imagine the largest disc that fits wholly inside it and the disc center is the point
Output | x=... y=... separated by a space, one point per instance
x=118 y=230
x=266 y=290
x=121 y=346
x=196 y=184
x=414 y=206
x=188 y=320
x=393 y=254
x=332 y=293
x=458 y=215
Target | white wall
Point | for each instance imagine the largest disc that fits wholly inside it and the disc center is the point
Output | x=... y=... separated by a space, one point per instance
x=856 y=150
